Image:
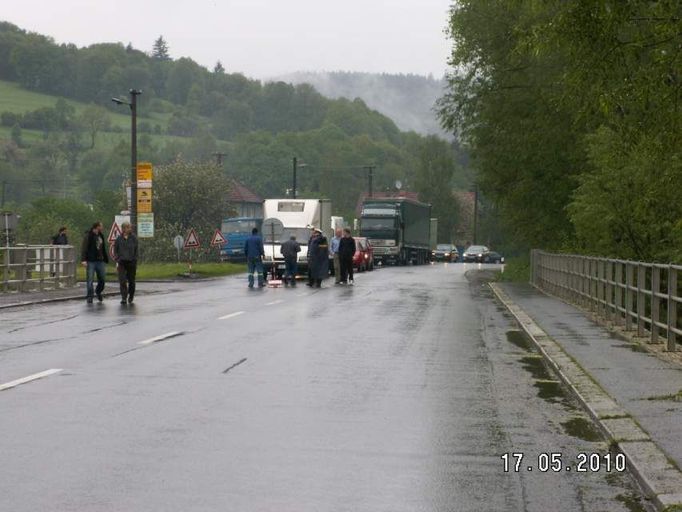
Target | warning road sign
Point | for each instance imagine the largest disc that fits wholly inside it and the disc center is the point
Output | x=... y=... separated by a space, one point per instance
x=114 y=233
x=192 y=240
x=218 y=238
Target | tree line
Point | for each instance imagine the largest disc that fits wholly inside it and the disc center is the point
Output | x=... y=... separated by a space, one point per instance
x=571 y=112
x=68 y=154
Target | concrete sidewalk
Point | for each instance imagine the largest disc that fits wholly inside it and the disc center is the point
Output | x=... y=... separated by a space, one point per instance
x=645 y=387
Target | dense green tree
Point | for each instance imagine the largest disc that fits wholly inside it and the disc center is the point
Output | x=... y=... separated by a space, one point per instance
x=160 y=50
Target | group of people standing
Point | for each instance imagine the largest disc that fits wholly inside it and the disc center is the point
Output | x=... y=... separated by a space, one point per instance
x=320 y=251
x=94 y=257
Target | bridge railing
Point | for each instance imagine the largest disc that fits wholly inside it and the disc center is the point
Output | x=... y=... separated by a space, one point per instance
x=635 y=296
x=37 y=267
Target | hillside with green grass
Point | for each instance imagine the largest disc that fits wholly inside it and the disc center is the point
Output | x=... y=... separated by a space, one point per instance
x=62 y=137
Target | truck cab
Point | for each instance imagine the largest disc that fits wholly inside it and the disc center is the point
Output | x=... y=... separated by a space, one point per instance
x=236 y=230
x=398 y=229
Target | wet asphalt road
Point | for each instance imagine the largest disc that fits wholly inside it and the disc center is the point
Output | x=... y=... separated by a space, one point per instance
x=398 y=394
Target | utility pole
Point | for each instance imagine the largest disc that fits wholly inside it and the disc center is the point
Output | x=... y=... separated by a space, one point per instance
x=370 y=179
x=4 y=191
x=475 y=212
x=134 y=93
x=293 y=187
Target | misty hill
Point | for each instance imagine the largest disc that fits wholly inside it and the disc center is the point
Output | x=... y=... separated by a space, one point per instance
x=62 y=136
x=407 y=99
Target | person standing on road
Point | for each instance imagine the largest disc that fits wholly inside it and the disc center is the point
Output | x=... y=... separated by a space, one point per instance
x=290 y=250
x=346 y=253
x=319 y=259
x=94 y=258
x=125 y=254
x=254 y=251
x=334 y=249
x=60 y=238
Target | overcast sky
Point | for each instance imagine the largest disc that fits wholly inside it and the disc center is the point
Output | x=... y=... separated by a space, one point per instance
x=261 y=38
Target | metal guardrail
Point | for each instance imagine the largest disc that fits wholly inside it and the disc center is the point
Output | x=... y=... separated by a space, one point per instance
x=630 y=294
x=37 y=267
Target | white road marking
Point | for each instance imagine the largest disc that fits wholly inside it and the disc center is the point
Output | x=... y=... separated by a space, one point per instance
x=273 y=302
x=231 y=315
x=162 y=337
x=30 y=378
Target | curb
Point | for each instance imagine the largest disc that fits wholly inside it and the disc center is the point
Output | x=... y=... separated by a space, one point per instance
x=659 y=478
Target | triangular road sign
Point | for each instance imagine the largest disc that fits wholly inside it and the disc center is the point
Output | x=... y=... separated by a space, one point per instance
x=218 y=238
x=192 y=240
x=114 y=233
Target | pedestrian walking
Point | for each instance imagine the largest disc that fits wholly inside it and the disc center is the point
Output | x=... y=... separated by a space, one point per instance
x=94 y=258
x=290 y=250
x=334 y=249
x=125 y=254
x=346 y=253
x=254 y=251
x=61 y=237
x=318 y=259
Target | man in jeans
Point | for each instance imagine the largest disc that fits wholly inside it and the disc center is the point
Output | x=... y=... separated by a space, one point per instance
x=125 y=254
x=290 y=250
x=254 y=251
x=334 y=250
x=94 y=258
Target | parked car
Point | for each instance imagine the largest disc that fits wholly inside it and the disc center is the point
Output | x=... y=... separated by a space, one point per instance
x=445 y=252
x=495 y=257
x=363 y=259
x=476 y=254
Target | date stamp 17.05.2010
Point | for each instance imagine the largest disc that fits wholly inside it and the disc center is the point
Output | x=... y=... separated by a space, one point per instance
x=555 y=462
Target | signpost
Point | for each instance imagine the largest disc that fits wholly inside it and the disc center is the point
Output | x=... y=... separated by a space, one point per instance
x=145 y=228
x=218 y=239
x=145 y=215
x=191 y=242
x=178 y=243
x=273 y=230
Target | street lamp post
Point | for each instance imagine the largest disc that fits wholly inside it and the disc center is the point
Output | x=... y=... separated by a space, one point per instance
x=134 y=93
x=296 y=165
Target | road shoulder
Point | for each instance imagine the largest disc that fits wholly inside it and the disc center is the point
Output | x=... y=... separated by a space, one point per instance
x=654 y=469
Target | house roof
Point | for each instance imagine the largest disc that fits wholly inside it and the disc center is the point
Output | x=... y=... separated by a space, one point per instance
x=240 y=194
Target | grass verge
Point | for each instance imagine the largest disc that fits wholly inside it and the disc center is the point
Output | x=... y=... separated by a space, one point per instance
x=174 y=270
x=516 y=270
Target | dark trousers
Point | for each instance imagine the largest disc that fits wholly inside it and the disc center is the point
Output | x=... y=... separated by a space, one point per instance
x=95 y=268
x=126 y=278
x=291 y=268
x=346 y=268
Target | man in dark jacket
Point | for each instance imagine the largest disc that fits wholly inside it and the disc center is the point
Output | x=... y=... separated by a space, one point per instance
x=125 y=254
x=290 y=250
x=254 y=252
x=346 y=253
x=94 y=258
x=60 y=238
x=318 y=258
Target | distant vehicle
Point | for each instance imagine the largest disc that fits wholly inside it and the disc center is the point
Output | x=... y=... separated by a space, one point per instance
x=476 y=254
x=236 y=230
x=399 y=229
x=495 y=257
x=363 y=259
x=445 y=252
x=297 y=217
